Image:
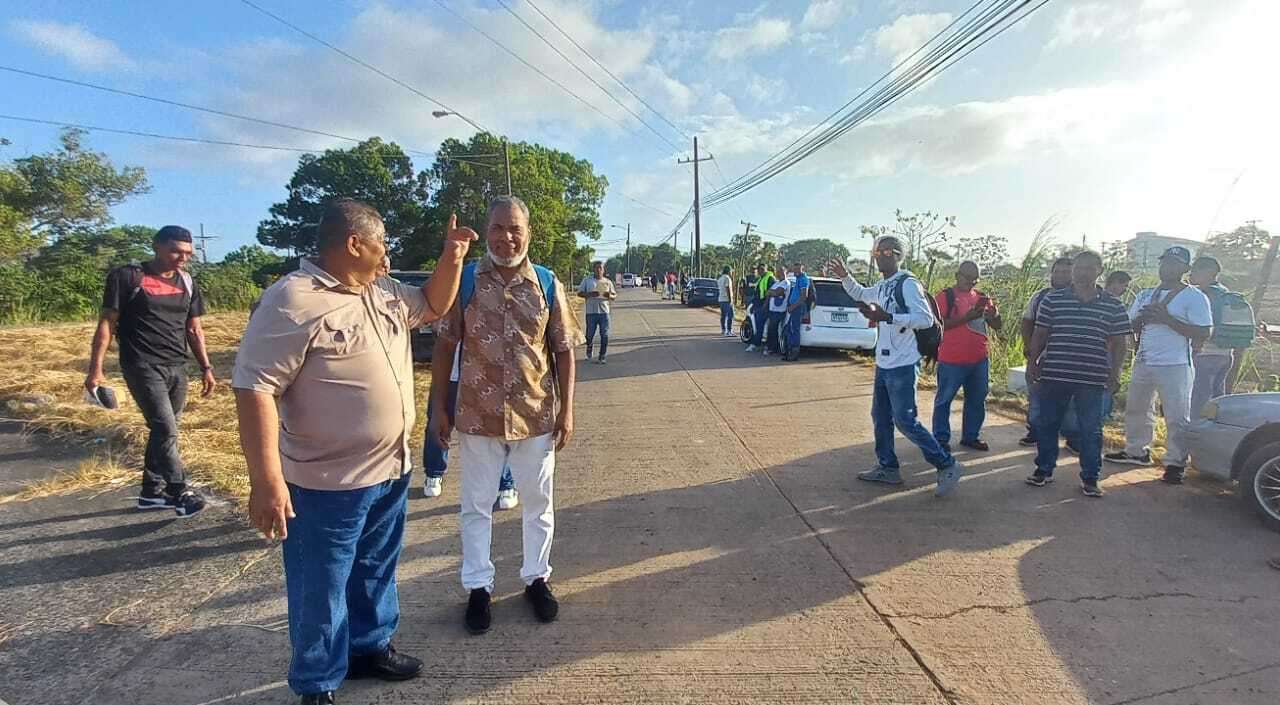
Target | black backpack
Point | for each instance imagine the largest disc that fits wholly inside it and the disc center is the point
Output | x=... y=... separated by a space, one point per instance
x=928 y=340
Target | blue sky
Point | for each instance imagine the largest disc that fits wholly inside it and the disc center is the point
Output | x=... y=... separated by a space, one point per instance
x=1114 y=116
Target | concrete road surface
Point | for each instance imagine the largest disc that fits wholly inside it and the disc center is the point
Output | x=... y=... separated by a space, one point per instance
x=712 y=547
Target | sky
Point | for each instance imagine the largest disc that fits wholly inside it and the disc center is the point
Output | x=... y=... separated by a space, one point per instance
x=1112 y=116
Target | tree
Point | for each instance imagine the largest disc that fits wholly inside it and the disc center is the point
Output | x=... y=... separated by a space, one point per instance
x=261 y=264
x=100 y=250
x=47 y=195
x=747 y=246
x=988 y=251
x=1241 y=253
x=563 y=193
x=918 y=232
x=814 y=253
x=376 y=172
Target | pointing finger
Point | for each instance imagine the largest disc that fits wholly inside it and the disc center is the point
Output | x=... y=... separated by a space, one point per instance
x=453 y=222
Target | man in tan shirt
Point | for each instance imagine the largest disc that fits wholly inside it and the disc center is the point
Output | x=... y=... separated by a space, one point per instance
x=512 y=330
x=324 y=391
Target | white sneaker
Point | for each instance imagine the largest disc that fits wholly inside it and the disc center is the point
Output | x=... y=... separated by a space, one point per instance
x=434 y=487
x=508 y=499
x=751 y=348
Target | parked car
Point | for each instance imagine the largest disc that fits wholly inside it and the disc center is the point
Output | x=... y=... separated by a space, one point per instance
x=423 y=339
x=628 y=280
x=1239 y=439
x=701 y=292
x=833 y=322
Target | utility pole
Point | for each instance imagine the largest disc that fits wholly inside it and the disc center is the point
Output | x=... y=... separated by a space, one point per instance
x=506 y=155
x=204 y=249
x=697 y=208
x=1268 y=265
x=628 y=247
x=742 y=248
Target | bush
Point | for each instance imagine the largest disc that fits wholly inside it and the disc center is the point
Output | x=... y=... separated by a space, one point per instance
x=227 y=287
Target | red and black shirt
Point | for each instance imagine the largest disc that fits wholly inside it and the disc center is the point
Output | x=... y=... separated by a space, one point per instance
x=154 y=311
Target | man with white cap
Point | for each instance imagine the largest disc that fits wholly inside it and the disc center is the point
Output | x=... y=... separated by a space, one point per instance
x=899 y=308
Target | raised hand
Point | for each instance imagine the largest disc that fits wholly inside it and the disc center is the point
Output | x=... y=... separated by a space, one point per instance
x=457 y=240
x=837 y=268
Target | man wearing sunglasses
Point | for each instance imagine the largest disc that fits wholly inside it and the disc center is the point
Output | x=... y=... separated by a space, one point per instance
x=898 y=307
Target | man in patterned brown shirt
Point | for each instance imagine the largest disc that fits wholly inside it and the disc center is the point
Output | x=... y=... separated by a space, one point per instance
x=517 y=348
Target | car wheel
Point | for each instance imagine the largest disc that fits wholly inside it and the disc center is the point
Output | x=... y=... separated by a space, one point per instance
x=1260 y=483
x=747 y=330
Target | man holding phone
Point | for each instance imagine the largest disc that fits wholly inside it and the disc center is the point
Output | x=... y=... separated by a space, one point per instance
x=962 y=357
x=598 y=291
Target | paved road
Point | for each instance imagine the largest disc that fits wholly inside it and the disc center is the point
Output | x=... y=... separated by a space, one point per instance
x=713 y=548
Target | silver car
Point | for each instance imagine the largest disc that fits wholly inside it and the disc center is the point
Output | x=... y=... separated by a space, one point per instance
x=1239 y=439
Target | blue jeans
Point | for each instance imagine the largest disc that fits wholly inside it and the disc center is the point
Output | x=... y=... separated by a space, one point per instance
x=775 y=331
x=974 y=379
x=1033 y=408
x=726 y=316
x=1055 y=398
x=1210 y=380
x=340 y=575
x=436 y=457
x=894 y=405
x=794 y=320
x=759 y=321
x=598 y=321
x=1071 y=422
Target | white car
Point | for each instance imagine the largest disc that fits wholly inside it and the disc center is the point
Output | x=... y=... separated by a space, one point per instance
x=833 y=322
x=628 y=280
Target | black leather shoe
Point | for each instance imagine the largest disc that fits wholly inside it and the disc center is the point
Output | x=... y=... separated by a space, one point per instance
x=478 y=616
x=325 y=698
x=544 y=603
x=388 y=666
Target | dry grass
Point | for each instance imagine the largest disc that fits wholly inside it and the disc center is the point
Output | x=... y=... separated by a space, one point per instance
x=51 y=360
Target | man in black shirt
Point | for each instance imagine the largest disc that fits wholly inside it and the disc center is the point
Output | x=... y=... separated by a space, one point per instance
x=155 y=309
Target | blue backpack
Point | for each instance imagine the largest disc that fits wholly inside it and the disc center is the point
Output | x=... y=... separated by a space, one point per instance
x=546 y=279
x=1234 y=327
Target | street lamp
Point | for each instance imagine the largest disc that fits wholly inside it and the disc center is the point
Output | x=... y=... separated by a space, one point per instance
x=506 y=153
x=627 y=258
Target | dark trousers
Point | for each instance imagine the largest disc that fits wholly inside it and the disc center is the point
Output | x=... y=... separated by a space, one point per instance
x=600 y=322
x=340 y=575
x=775 y=331
x=759 y=320
x=161 y=393
x=1055 y=398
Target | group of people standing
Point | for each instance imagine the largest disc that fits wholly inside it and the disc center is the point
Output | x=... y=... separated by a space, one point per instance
x=776 y=304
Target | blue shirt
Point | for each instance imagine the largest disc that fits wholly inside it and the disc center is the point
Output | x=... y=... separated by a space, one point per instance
x=801 y=282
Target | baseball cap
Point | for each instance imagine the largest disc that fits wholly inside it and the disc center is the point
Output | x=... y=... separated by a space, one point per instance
x=1181 y=254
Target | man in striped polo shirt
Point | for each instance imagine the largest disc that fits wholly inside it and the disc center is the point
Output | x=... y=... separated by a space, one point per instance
x=1077 y=352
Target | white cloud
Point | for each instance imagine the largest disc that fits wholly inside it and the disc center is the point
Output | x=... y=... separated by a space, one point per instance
x=822 y=14
x=1149 y=22
x=1086 y=22
x=907 y=33
x=763 y=35
x=77 y=45
x=855 y=55
x=764 y=90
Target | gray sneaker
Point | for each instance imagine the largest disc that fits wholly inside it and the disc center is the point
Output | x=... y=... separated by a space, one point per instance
x=948 y=478
x=887 y=476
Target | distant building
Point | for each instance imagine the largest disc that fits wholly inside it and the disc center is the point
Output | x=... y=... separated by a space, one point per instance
x=1144 y=249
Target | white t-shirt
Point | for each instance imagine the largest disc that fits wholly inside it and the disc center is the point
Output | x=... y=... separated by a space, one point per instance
x=778 y=304
x=1159 y=345
x=726 y=287
x=455 y=375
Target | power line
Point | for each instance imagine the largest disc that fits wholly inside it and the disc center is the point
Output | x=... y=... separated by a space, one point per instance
x=604 y=68
x=521 y=59
x=365 y=64
x=188 y=106
x=588 y=76
x=174 y=138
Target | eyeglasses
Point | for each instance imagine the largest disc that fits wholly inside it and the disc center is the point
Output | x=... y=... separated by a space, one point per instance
x=885 y=252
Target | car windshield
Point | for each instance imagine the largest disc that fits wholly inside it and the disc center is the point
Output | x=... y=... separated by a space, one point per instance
x=832 y=294
x=411 y=279
x=704 y=282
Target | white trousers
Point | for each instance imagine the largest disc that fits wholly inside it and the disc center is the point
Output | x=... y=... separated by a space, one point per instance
x=1173 y=383
x=533 y=465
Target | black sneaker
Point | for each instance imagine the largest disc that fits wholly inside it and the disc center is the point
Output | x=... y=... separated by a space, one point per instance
x=1027 y=441
x=544 y=603
x=978 y=444
x=388 y=666
x=325 y=698
x=945 y=447
x=478 y=616
x=1091 y=489
x=160 y=500
x=1173 y=475
x=188 y=504
x=1038 y=479
x=1122 y=457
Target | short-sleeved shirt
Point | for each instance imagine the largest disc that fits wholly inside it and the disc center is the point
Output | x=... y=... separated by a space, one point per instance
x=801 y=282
x=778 y=304
x=598 y=304
x=726 y=288
x=966 y=344
x=338 y=362
x=507 y=389
x=153 y=321
x=1212 y=292
x=1033 y=304
x=1077 y=351
x=1158 y=344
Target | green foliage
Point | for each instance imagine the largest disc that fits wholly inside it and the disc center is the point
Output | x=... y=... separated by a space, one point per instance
x=918 y=232
x=227 y=285
x=376 y=172
x=1241 y=253
x=262 y=264
x=814 y=253
x=988 y=251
